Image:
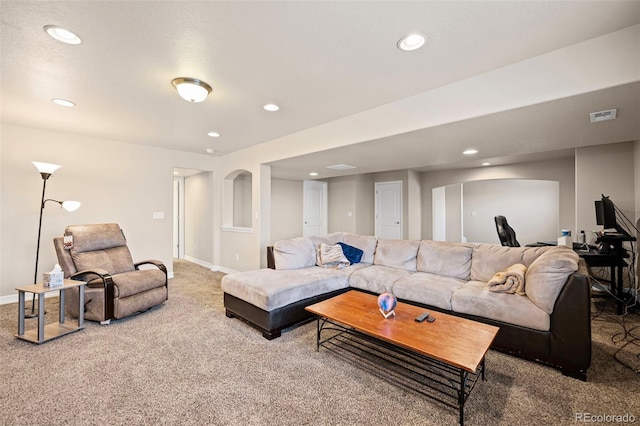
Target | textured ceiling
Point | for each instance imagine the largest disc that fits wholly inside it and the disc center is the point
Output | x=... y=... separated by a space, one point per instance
x=320 y=61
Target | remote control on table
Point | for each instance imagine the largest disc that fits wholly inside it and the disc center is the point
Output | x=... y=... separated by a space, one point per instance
x=422 y=317
x=431 y=319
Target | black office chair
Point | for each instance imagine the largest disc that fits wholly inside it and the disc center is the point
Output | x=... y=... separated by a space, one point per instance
x=506 y=233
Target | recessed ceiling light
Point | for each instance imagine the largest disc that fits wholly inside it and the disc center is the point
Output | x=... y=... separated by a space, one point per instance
x=486 y=164
x=412 y=42
x=271 y=107
x=62 y=34
x=210 y=151
x=470 y=151
x=214 y=134
x=63 y=102
x=313 y=174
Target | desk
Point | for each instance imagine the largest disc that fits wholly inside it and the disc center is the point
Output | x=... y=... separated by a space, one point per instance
x=50 y=331
x=612 y=260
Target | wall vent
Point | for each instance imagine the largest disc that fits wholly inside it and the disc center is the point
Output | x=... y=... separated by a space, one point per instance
x=609 y=114
x=341 y=167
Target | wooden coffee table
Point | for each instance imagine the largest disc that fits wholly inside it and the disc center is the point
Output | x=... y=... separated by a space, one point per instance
x=441 y=359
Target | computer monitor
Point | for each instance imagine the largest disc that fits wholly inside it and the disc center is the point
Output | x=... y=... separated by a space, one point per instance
x=606 y=213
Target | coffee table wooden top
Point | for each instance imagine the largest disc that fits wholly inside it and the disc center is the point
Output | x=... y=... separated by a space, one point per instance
x=457 y=341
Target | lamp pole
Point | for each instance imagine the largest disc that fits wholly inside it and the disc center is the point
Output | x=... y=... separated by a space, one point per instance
x=45 y=176
x=46 y=170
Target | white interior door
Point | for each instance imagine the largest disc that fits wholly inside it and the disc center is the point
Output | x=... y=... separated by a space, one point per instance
x=315 y=208
x=388 y=201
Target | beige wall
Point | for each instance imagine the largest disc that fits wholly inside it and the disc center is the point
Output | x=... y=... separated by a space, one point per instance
x=561 y=170
x=286 y=209
x=608 y=170
x=342 y=202
x=198 y=212
x=115 y=181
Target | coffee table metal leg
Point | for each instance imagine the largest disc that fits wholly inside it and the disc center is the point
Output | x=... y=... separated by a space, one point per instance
x=462 y=395
x=318 y=334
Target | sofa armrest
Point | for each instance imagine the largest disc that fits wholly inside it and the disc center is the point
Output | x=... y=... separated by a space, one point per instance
x=271 y=261
x=570 y=337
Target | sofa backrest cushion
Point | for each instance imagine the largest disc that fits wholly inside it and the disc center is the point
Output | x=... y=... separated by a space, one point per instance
x=488 y=259
x=445 y=259
x=329 y=239
x=366 y=243
x=548 y=274
x=400 y=254
x=295 y=253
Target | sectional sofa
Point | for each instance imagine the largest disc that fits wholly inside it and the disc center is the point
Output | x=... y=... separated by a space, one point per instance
x=550 y=322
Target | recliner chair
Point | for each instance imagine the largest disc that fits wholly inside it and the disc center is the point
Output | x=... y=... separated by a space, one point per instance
x=505 y=232
x=116 y=286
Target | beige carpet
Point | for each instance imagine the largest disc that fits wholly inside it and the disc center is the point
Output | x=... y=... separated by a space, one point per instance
x=185 y=363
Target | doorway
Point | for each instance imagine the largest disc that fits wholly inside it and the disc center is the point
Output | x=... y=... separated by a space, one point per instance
x=315 y=211
x=388 y=210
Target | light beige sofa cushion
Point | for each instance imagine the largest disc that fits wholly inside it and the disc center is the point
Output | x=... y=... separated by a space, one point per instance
x=376 y=278
x=329 y=239
x=475 y=299
x=547 y=275
x=399 y=254
x=295 y=253
x=430 y=289
x=488 y=259
x=446 y=259
x=269 y=289
x=366 y=243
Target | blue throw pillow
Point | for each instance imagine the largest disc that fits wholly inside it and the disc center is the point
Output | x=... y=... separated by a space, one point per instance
x=353 y=254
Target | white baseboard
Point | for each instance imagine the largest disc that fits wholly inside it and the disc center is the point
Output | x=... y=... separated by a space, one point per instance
x=214 y=268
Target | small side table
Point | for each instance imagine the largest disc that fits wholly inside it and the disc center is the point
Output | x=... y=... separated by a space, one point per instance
x=50 y=331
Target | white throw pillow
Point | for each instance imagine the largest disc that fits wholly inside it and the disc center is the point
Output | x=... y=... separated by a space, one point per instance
x=331 y=256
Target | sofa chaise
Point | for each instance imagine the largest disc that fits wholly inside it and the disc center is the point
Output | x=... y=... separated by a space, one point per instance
x=550 y=322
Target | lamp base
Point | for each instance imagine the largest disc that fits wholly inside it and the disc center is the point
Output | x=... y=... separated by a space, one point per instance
x=32 y=314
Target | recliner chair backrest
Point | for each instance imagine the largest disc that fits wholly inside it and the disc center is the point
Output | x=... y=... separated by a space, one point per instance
x=96 y=246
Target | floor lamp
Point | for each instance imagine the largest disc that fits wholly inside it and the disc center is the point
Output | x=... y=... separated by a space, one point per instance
x=46 y=170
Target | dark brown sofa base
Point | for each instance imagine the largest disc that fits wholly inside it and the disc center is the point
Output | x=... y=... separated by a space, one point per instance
x=273 y=322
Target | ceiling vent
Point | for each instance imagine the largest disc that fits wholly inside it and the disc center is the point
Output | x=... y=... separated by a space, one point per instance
x=609 y=114
x=341 y=167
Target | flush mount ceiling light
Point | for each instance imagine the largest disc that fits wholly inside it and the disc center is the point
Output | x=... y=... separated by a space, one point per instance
x=62 y=34
x=470 y=151
x=486 y=164
x=214 y=134
x=191 y=89
x=412 y=42
x=313 y=174
x=63 y=102
x=271 y=107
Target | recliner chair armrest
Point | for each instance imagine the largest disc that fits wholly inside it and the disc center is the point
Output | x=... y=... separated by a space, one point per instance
x=153 y=262
x=100 y=273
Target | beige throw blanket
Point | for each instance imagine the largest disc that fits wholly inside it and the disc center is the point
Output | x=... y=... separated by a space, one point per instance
x=509 y=281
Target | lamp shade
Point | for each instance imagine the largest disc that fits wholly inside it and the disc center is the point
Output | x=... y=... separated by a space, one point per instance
x=191 y=89
x=46 y=167
x=71 y=206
